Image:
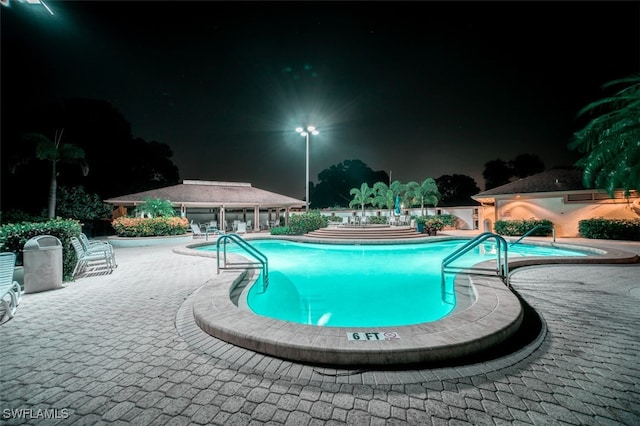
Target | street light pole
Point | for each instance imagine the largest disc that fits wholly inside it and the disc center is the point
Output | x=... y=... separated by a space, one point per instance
x=310 y=130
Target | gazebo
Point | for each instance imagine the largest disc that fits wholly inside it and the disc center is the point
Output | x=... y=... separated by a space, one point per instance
x=200 y=200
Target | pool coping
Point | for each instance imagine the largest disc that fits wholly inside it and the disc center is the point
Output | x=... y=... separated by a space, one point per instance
x=495 y=315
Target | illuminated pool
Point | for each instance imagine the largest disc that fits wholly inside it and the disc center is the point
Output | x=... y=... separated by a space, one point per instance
x=338 y=285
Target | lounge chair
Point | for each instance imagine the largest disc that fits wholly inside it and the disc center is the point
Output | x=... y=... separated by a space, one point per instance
x=10 y=290
x=197 y=232
x=91 y=261
x=241 y=228
x=96 y=245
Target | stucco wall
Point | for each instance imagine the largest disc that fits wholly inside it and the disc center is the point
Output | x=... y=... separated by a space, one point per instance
x=564 y=216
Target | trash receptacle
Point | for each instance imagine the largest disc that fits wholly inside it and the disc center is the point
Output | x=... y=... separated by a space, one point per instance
x=42 y=259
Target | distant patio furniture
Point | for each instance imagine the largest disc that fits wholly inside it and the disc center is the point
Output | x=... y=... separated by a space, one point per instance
x=10 y=290
x=97 y=261
x=96 y=245
x=197 y=232
x=241 y=228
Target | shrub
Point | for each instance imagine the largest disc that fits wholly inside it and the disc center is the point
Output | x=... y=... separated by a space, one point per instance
x=431 y=222
x=14 y=236
x=280 y=230
x=302 y=223
x=154 y=207
x=377 y=220
x=610 y=229
x=513 y=228
x=449 y=220
x=149 y=227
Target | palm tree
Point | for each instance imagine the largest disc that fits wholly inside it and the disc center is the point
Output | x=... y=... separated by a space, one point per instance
x=52 y=151
x=611 y=140
x=427 y=192
x=385 y=196
x=362 y=196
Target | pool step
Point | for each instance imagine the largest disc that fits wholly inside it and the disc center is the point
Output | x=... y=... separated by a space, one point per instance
x=366 y=233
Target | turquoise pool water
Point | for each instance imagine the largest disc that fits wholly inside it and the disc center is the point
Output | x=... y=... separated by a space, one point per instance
x=336 y=285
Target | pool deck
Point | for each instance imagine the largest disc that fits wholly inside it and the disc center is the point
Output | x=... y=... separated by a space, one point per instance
x=124 y=348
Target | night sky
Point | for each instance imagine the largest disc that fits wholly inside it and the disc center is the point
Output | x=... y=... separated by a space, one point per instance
x=417 y=89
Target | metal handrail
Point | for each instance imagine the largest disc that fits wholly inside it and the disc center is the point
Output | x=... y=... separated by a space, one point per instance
x=249 y=249
x=540 y=225
x=502 y=266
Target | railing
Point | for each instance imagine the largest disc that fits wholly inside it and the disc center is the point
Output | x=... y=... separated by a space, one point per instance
x=262 y=261
x=530 y=231
x=502 y=264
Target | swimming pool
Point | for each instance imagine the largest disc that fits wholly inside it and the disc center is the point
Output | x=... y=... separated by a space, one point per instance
x=338 y=285
x=494 y=316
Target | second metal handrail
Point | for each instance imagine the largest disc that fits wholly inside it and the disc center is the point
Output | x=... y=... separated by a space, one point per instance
x=263 y=261
x=530 y=231
x=502 y=268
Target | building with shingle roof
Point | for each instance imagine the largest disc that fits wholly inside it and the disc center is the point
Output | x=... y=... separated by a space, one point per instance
x=202 y=201
x=558 y=195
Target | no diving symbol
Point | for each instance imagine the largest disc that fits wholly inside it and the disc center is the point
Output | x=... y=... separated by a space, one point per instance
x=391 y=335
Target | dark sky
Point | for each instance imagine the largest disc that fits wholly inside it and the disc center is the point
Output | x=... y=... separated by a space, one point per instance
x=418 y=89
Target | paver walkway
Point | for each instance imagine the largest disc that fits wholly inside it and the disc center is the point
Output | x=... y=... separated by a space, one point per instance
x=120 y=349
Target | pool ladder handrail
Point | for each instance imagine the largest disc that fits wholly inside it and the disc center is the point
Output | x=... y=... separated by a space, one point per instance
x=502 y=262
x=262 y=260
x=540 y=225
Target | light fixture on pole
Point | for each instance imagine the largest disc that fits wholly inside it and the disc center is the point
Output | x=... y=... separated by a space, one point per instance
x=310 y=130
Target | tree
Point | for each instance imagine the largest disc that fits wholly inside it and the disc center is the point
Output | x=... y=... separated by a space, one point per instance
x=499 y=172
x=155 y=207
x=610 y=141
x=362 y=196
x=457 y=189
x=385 y=196
x=120 y=163
x=335 y=183
x=53 y=152
x=496 y=173
x=75 y=203
x=526 y=165
x=426 y=192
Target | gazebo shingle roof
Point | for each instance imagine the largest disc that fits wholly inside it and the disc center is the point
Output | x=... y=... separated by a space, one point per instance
x=553 y=180
x=197 y=193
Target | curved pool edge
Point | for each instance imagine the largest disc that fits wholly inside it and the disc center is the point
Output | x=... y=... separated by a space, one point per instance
x=496 y=315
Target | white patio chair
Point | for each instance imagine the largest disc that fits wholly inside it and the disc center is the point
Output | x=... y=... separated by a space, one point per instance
x=197 y=232
x=98 y=261
x=241 y=228
x=96 y=245
x=10 y=289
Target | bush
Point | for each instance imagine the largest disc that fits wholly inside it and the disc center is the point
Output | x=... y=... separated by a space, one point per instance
x=610 y=229
x=513 y=228
x=154 y=207
x=280 y=230
x=14 y=236
x=449 y=220
x=302 y=223
x=149 y=227
x=431 y=222
x=377 y=220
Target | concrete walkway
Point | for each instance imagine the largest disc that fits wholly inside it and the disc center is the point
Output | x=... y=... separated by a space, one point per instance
x=123 y=349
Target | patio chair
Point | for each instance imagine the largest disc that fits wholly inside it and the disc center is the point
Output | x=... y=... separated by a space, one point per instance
x=96 y=245
x=10 y=290
x=90 y=261
x=197 y=232
x=241 y=228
